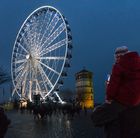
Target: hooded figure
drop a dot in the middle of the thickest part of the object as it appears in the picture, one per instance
(124, 84)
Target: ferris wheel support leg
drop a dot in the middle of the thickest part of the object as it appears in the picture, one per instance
(58, 97)
(30, 86)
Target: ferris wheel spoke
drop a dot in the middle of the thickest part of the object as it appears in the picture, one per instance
(22, 38)
(50, 14)
(17, 77)
(20, 54)
(30, 93)
(39, 88)
(29, 34)
(43, 23)
(46, 28)
(31, 29)
(31, 72)
(52, 58)
(15, 90)
(54, 35)
(25, 36)
(31, 78)
(17, 87)
(21, 67)
(20, 61)
(36, 34)
(30, 38)
(47, 79)
(21, 73)
(53, 23)
(49, 68)
(22, 47)
(24, 83)
(42, 71)
(44, 80)
(18, 80)
(53, 47)
(25, 41)
(36, 81)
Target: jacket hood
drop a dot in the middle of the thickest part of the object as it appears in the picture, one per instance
(130, 61)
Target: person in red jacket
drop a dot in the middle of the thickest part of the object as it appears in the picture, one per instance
(124, 84)
(122, 92)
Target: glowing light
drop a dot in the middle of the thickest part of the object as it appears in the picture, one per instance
(68, 124)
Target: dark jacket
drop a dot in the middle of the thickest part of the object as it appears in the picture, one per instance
(4, 122)
(130, 123)
(124, 85)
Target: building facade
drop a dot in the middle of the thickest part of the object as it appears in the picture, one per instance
(84, 89)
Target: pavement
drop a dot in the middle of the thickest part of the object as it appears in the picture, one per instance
(23, 125)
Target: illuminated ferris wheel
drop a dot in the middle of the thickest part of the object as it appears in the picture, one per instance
(41, 53)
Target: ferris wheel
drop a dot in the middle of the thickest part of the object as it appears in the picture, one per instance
(41, 54)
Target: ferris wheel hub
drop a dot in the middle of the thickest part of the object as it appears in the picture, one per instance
(27, 56)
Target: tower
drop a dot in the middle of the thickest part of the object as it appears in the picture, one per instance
(84, 88)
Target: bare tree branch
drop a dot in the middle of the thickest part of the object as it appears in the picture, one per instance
(4, 76)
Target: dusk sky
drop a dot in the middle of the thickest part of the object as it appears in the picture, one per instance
(98, 27)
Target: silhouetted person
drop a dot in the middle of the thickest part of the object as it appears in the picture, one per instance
(4, 122)
(36, 112)
(85, 110)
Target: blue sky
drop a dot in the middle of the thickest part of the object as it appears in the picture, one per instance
(98, 27)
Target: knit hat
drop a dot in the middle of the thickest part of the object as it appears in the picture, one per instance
(121, 50)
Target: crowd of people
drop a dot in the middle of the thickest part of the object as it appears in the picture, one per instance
(43, 110)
